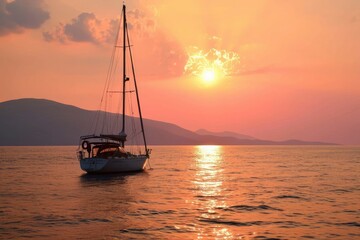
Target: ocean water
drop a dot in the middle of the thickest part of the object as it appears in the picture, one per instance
(191, 192)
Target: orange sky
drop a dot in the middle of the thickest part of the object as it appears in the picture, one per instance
(294, 71)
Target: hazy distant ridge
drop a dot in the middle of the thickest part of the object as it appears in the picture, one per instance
(45, 122)
(224, 134)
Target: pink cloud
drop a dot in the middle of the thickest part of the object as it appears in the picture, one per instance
(160, 55)
(17, 15)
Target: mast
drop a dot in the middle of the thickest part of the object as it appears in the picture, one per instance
(126, 39)
(122, 133)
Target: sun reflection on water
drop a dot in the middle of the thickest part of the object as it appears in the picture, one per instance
(207, 163)
(209, 193)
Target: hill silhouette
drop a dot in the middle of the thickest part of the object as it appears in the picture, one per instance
(31, 122)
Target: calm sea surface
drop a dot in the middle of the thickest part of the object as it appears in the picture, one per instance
(191, 192)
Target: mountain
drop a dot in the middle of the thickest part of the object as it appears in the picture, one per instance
(224, 134)
(44, 122)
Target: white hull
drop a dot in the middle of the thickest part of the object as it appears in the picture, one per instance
(114, 165)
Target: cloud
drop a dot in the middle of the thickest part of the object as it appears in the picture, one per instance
(82, 28)
(17, 15)
(160, 55)
(86, 27)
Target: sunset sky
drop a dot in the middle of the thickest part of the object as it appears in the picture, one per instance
(286, 69)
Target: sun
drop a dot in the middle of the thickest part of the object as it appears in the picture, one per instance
(211, 66)
(208, 75)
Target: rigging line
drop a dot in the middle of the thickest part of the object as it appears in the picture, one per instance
(111, 123)
(137, 93)
(113, 109)
(135, 134)
(135, 139)
(118, 114)
(104, 115)
(118, 107)
(107, 76)
(129, 106)
(133, 120)
(108, 119)
(111, 80)
(131, 113)
(129, 122)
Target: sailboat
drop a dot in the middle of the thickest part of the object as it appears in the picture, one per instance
(106, 152)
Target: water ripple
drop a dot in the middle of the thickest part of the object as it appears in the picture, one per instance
(249, 208)
(289, 197)
(233, 223)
